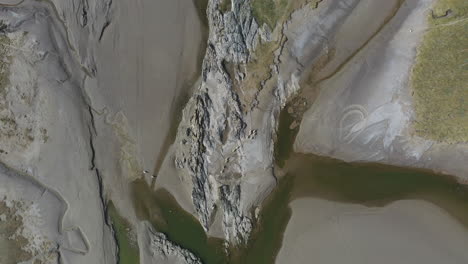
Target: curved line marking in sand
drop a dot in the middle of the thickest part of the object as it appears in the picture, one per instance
(347, 134)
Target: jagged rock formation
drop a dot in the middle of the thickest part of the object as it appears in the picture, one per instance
(213, 124)
(217, 133)
(160, 246)
(62, 103)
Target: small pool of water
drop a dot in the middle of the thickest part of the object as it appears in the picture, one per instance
(162, 210)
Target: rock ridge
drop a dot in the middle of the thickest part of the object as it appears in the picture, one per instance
(217, 133)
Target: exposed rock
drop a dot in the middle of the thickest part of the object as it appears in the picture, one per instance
(216, 147)
(159, 245)
(213, 125)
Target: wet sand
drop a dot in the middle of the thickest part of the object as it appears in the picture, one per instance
(374, 204)
(407, 231)
(147, 62)
(368, 213)
(365, 212)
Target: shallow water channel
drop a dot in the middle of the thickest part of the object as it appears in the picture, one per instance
(372, 185)
(368, 184)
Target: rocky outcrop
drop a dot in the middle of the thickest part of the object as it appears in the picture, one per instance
(160, 246)
(214, 124)
(224, 146)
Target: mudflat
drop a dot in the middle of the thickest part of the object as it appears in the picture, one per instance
(407, 231)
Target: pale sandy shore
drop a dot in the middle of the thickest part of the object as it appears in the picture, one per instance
(372, 114)
(406, 231)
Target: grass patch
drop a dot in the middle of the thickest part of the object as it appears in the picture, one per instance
(258, 69)
(440, 75)
(274, 12)
(5, 61)
(268, 11)
(128, 247)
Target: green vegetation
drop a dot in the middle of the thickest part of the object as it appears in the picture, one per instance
(4, 62)
(274, 12)
(128, 247)
(269, 11)
(440, 75)
(258, 69)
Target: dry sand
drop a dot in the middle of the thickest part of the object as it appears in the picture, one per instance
(407, 231)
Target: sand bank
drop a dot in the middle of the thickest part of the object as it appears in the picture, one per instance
(406, 231)
(372, 115)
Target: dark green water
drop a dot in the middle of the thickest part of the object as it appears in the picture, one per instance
(128, 249)
(372, 185)
(162, 210)
(286, 137)
(201, 6)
